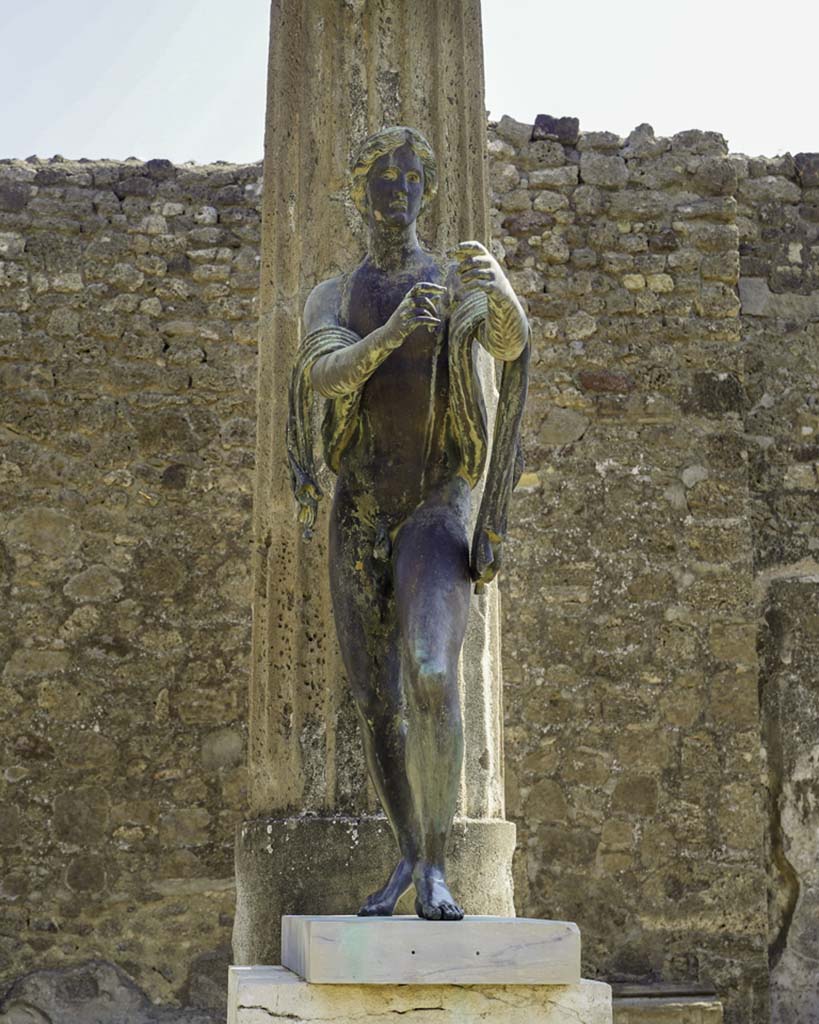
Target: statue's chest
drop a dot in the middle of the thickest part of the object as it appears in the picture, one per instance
(371, 296)
(410, 384)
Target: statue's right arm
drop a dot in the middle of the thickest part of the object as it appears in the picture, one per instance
(345, 370)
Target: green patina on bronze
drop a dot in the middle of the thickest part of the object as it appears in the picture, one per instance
(392, 346)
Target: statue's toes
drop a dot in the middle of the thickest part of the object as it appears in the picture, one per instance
(375, 906)
(428, 911)
(375, 910)
(451, 912)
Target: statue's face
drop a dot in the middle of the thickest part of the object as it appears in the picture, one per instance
(395, 187)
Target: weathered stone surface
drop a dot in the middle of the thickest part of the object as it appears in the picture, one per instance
(770, 189)
(602, 169)
(222, 748)
(81, 815)
(562, 426)
(606, 381)
(790, 656)
(565, 130)
(514, 132)
(758, 300)
(96, 583)
(554, 177)
(807, 169)
(258, 994)
(779, 288)
(667, 1010)
(124, 518)
(94, 992)
(638, 430)
(642, 142)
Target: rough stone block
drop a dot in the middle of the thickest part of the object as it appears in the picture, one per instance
(758, 300)
(670, 1010)
(642, 143)
(554, 177)
(10, 328)
(608, 141)
(94, 991)
(349, 950)
(515, 132)
(258, 995)
(770, 189)
(603, 169)
(561, 129)
(807, 168)
(11, 245)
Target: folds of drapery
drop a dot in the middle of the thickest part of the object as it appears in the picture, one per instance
(467, 415)
(337, 428)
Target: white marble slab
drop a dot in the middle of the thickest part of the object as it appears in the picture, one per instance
(260, 995)
(347, 950)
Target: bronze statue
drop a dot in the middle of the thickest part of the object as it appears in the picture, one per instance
(389, 344)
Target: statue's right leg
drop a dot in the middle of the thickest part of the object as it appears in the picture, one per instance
(367, 629)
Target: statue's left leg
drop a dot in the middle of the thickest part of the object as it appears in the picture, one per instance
(432, 590)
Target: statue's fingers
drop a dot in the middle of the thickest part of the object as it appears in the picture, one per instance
(478, 274)
(426, 305)
(466, 249)
(428, 288)
(483, 259)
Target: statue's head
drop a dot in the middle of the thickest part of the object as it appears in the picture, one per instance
(394, 175)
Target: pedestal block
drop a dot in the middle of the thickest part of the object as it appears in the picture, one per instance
(346, 950)
(259, 995)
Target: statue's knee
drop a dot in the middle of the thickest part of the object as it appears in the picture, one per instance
(429, 687)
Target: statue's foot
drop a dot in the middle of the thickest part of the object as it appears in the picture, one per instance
(382, 903)
(433, 900)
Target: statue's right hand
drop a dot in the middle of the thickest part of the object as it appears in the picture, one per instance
(420, 307)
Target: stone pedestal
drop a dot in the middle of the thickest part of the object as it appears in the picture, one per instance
(337, 72)
(259, 995)
(347, 950)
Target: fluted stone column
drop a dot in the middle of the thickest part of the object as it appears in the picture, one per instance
(315, 842)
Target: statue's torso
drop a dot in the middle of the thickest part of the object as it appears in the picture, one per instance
(402, 450)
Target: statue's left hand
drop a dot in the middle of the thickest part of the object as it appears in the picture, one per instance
(307, 498)
(478, 269)
(486, 557)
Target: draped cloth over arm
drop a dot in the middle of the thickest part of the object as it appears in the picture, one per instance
(337, 428)
(468, 414)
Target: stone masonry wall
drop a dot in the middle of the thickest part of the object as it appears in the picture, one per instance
(779, 244)
(127, 425)
(667, 509)
(632, 739)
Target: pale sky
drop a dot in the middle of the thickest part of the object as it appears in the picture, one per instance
(185, 79)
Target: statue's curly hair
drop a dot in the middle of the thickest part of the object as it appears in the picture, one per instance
(383, 142)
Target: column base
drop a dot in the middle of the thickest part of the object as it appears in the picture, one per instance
(314, 865)
(257, 995)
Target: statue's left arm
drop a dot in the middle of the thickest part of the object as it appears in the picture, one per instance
(505, 335)
(507, 329)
